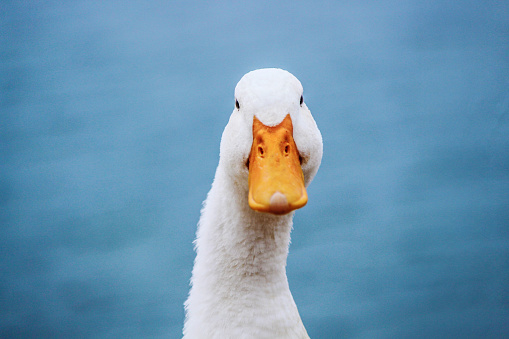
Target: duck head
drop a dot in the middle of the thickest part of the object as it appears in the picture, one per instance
(271, 147)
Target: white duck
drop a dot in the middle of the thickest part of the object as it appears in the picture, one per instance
(270, 151)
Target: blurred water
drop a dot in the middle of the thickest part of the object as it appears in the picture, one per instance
(111, 117)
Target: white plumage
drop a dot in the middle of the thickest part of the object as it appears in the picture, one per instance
(239, 284)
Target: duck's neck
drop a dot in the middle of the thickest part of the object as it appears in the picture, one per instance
(239, 278)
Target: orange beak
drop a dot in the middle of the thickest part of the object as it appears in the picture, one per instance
(276, 181)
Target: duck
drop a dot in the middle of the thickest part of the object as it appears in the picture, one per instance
(270, 150)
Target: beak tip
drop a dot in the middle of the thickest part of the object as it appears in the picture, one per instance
(278, 203)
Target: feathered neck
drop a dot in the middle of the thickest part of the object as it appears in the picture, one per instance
(239, 284)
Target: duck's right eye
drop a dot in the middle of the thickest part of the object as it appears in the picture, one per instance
(237, 104)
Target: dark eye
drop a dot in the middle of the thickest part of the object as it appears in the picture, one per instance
(301, 100)
(237, 104)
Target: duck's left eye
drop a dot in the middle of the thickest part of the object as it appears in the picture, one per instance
(301, 100)
(237, 104)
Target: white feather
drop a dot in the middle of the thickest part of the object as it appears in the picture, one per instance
(239, 284)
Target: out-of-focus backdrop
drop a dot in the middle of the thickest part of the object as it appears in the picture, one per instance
(111, 114)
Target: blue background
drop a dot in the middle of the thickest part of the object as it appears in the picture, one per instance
(111, 118)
